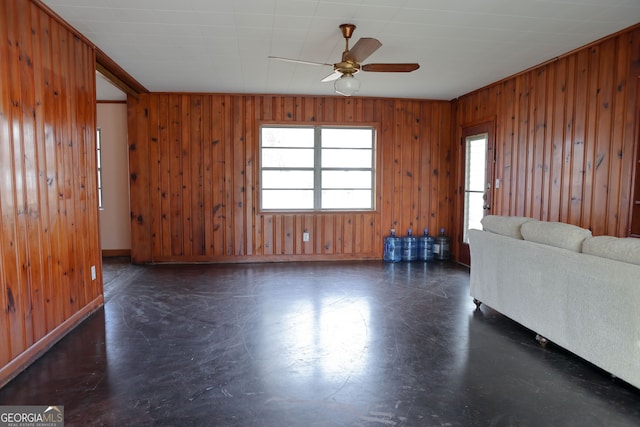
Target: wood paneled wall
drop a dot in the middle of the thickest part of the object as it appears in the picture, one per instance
(566, 134)
(194, 177)
(48, 203)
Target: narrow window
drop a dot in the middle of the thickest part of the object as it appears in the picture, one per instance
(99, 162)
(475, 187)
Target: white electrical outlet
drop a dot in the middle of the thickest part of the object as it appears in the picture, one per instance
(93, 272)
(305, 237)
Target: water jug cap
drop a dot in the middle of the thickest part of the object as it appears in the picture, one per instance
(442, 231)
(409, 231)
(426, 231)
(393, 231)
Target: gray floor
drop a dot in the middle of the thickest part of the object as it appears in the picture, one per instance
(312, 344)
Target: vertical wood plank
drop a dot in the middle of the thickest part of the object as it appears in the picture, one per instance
(267, 231)
(164, 176)
(578, 170)
(137, 122)
(155, 178)
(183, 182)
(616, 152)
(15, 327)
(630, 137)
(424, 129)
(435, 146)
(239, 182)
(207, 176)
(176, 213)
(34, 310)
(509, 181)
(590, 136)
(567, 152)
(556, 117)
(61, 190)
(49, 196)
(288, 230)
(197, 176)
(251, 139)
(219, 165)
(66, 163)
(538, 130)
(228, 176)
(603, 144)
(386, 174)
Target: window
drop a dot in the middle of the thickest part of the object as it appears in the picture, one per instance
(99, 163)
(317, 168)
(475, 187)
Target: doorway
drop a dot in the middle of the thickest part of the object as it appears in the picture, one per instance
(479, 160)
(113, 169)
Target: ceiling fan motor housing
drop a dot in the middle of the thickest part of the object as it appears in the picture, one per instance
(347, 67)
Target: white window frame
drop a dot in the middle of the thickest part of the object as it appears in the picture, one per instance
(318, 169)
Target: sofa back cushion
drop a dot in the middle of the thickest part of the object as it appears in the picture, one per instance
(557, 234)
(616, 248)
(505, 225)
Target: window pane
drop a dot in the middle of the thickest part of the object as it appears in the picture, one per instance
(287, 179)
(287, 199)
(347, 138)
(99, 165)
(287, 158)
(476, 162)
(346, 199)
(350, 159)
(346, 179)
(473, 212)
(287, 137)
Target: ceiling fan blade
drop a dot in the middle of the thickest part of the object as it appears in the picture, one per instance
(390, 68)
(363, 49)
(331, 77)
(298, 61)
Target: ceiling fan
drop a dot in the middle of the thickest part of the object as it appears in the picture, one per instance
(343, 71)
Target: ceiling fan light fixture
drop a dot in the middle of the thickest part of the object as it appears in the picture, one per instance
(347, 85)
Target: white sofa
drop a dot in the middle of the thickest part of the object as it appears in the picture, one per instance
(578, 291)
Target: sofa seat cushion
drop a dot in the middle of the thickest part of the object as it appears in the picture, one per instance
(616, 248)
(505, 225)
(556, 234)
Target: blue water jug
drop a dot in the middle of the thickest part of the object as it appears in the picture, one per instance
(441, 247)
(392, 248)
(409, 247)
(425, 246)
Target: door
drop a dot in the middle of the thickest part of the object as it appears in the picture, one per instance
(479, 159)
(634, 229)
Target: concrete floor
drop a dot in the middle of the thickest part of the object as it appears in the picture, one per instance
(312, 344)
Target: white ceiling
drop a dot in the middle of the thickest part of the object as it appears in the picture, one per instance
(223, 45)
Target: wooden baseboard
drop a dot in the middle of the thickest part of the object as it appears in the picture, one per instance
(264, 258)
(30, 355)
(111, 253)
